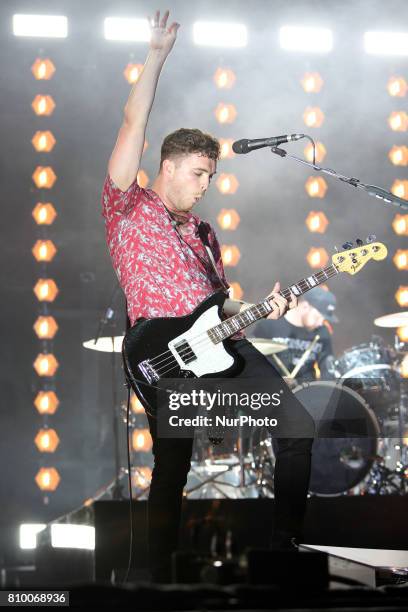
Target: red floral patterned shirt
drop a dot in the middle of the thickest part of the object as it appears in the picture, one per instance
(162, 273)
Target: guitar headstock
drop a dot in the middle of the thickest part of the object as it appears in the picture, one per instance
(354, 258)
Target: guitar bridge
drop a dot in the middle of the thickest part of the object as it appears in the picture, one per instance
(148, 371)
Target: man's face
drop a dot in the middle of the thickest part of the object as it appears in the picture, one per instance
(187, 179)
(312, 318)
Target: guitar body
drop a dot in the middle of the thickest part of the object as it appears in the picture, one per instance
(177, 347)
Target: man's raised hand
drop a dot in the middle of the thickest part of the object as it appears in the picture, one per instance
(162, 37)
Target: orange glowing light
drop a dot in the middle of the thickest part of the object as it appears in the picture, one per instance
(132, 72)
(404, 367)
(45, 327)
(401, 296)
(313, 116)
(399, 155)
(43, 105)
(230, 254)
(44, 177)
(142, 477)
(226, 148)
(236, 292)
(225, 113)
(400, 225)
(400, 189)
(46, 402)
(46, 290)
(136, 405)
(317, 257)
(43, 69)
(227, 184)
(312, 82)
(400, 259)
(224, 78)
(317, 222)
(44, 250)
(142, 440)
(228, 219)
(44, 213)
(142, 179)
(316, 187)
(398, 121)
(47, 479)
(402, 333)
(320, 152)
(397, 86)
(43, 141)
(47, 440)
(45, 364)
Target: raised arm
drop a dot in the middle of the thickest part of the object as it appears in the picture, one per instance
(125, 159)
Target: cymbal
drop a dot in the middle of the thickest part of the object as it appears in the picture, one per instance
(104, 344)
(266, 346)
(397, 319)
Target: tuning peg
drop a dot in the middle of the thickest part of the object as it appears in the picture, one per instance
(347, 245)
(371, 238)
(359, 242)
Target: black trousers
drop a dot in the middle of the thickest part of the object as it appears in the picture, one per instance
(172, 463)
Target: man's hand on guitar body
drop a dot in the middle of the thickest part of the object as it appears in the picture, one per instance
(279, 304)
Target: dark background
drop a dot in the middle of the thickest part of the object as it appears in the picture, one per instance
(90, 91)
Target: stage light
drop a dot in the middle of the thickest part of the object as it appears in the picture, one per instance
(66, 535)
(46, 26)
(47, 440)
(46, 290)
(402, 333)
(44, 213)
(226, 148)
(317, 222)
(316, 187)
(313, 40)
(224, 78)
(44, 177)
(398, 121)
(399, 155)
(400, 189)
(44, 250)
(43, 105)
(236, 292)
(317, 258)
(230, 255)
(227, 184)
(43, 69)
(320, 152)
(142, 179)
(125, 28)
(386, 43)
(312, 82)
(228, 219)
(214, 34)
(404, 367)
(401, 296)
(225, 113)
(142, 476)
(397, 86)
(45, 327)
(132, 72)
(313, 116)
(136, 405)
(400, 259)
(47, 479)
(142, 440)
(43, 141)
(28, 535)
(400, 225)
(45, 364)
(46, 402)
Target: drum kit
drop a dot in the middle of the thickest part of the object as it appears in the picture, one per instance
(368, 455)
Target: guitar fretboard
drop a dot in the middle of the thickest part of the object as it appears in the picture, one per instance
(240, 321)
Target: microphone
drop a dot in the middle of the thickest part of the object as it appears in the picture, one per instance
(246, 146)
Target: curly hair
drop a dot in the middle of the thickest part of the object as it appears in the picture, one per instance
(186, 141)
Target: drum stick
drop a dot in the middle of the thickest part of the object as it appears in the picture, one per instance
(304, 356)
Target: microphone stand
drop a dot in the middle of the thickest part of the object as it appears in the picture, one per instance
(372, 190)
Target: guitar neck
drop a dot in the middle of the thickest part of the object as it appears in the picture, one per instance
(236, 323)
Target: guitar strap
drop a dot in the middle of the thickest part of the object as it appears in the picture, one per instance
(203, 232)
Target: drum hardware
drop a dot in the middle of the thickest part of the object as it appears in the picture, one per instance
(267, 346)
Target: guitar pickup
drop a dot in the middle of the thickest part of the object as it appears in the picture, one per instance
(185, 352)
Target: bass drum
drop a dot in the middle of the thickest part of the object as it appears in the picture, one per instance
(346, 436)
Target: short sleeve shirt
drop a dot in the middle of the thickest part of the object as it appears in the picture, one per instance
(162, 273)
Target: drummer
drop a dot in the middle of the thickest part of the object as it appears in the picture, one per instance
(309, 326)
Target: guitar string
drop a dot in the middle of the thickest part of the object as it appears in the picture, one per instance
(203, 338)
